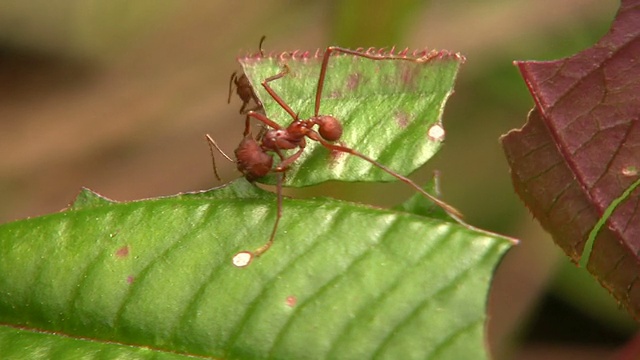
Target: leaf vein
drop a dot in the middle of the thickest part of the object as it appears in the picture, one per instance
(452, 285)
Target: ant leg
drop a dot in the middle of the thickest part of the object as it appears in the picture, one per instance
(264, 119)
(275, 96)
(263, 130)
(286, 162)
(212, 143)
(258, 106)
(257, 101)
(260, 45)
(325, 61)
(244, 258)
(448, 208)
(234, 78)
(247, 125)
(262, 249)
(244, 105)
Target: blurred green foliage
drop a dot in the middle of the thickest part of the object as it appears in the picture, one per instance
(362, 23)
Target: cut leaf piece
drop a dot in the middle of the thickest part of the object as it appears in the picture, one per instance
(342, 279)
(580, 151)
(390, 109)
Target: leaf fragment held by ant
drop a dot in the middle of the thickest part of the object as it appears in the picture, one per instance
(386, 106)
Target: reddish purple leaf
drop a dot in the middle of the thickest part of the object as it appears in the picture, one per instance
(579, 153)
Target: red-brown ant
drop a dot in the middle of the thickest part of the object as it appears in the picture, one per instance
(244, 91)
(254, 161)
(244, 88)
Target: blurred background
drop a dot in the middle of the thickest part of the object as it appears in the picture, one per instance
(117, 95)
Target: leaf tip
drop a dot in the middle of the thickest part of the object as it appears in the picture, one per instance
(87, 198)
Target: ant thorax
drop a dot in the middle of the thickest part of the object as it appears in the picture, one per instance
(284, 139)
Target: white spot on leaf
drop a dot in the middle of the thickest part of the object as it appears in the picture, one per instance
(436, 132)
(242, 259)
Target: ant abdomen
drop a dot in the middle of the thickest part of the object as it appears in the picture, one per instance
(253, 162)
(329, 127)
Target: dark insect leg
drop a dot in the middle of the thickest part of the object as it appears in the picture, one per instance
(262, 249)
(260, 45)
(286, 162)
(275, 96)
(213, 143)
(448, 208)
(325, 61)
(264, 119)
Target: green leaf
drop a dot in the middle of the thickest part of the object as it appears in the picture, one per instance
(390, 109)
(88, 199)
(419, 205)
(20, 344)
(154, 279)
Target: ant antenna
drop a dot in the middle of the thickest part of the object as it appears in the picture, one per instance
(260, 45)
(234, 78)
(213, 143)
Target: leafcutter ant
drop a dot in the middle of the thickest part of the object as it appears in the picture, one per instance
(247, 94)
(255, 161)
(244, 88)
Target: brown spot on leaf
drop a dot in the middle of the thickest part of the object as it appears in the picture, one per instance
(335, 156)
(402, 119)
(335, 95)
(123, 252)
(408, 75)
(130, 279)
(353, 81)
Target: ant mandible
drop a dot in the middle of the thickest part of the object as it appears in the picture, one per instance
(254, 161)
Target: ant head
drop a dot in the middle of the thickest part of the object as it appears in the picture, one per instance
(329, 127)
